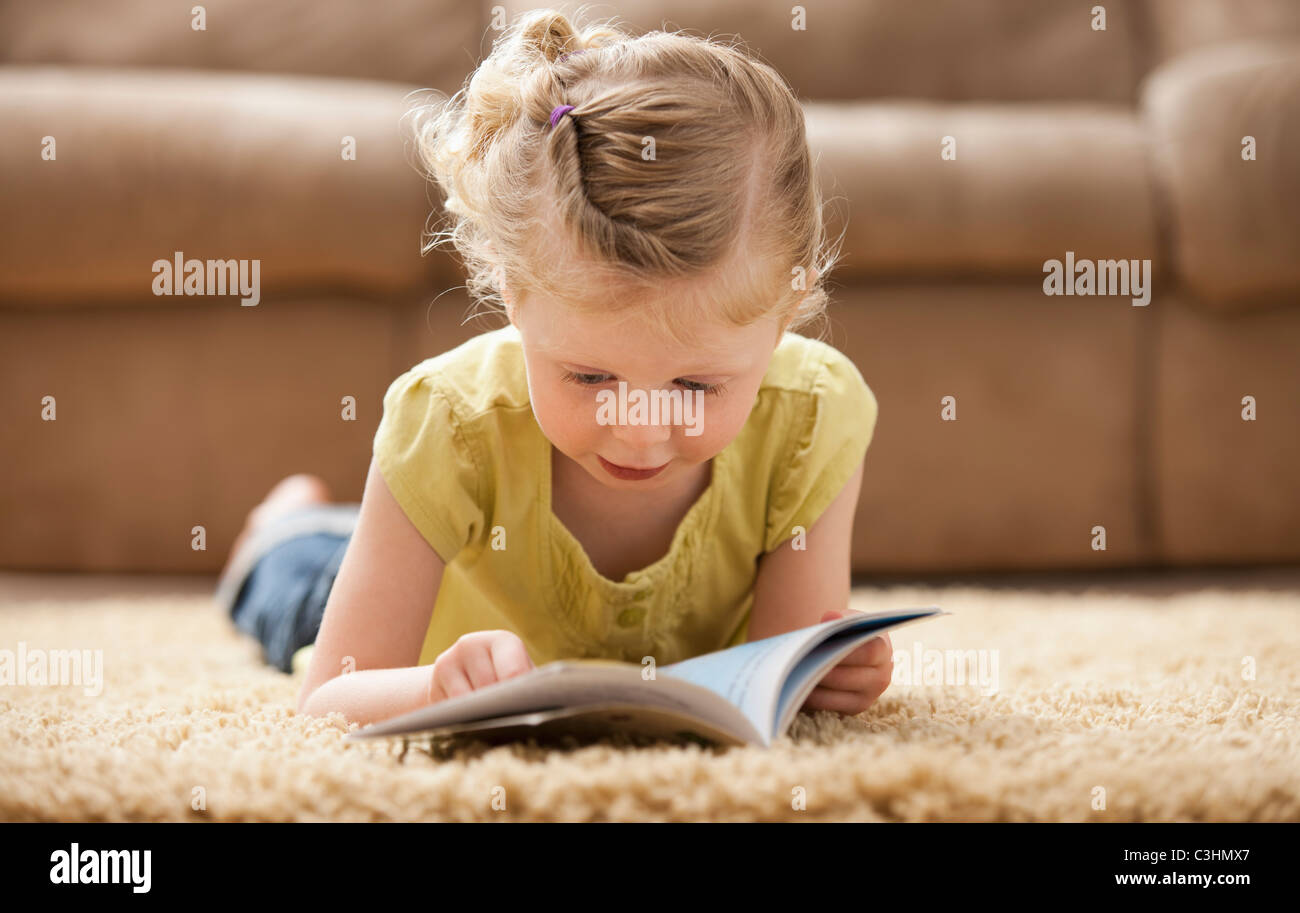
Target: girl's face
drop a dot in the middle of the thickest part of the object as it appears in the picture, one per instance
(587, 373)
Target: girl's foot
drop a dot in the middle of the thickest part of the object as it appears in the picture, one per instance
(289, 494)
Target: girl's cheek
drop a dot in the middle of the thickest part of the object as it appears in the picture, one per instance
(718, 424)
(565, 418)
(581, 413)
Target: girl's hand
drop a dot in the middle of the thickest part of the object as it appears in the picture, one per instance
(858, 679)
(476, 660)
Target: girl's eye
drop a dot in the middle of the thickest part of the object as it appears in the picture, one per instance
(585, 380)
(592, 380)
(706, 389)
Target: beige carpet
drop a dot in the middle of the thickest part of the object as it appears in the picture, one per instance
(1123, 703)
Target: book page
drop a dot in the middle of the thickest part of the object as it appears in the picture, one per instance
(746, 690)
(568, 684)
(754, 676)
(748, 675)
(554, 685)
(810, 670)
(591, 721)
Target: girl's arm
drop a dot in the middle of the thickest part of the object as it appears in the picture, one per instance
(376, 618)
(795, 587)
(800, 588)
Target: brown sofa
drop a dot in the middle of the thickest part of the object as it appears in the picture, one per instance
(175, 413)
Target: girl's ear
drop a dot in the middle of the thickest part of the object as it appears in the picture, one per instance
(510, 304)
(506, 295)
(789, 318)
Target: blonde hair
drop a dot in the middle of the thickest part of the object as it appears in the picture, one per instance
(726, 194)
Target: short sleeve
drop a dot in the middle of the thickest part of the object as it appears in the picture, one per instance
(423, 454)
(827, 442)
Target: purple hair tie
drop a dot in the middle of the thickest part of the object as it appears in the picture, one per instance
(560, 111)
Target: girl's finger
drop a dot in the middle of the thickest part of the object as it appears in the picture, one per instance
(510, 657)
(857, 678)
(876, 652)
(849, 702)
(476, 663)
(449, 677)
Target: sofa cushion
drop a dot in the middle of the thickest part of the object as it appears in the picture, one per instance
(216, 166)
(1029, 182)
(1180, 26)
(1234, 231)
(167, 420)
(428, 43)
(950, 50)
(1043, 441)
(1223, 468)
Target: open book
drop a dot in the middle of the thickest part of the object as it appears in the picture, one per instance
(748, 694)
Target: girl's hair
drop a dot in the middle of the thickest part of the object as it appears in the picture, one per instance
(683, 159)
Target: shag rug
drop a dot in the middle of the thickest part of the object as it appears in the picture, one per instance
(1125, 698)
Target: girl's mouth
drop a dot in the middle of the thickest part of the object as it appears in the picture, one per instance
(627, 473)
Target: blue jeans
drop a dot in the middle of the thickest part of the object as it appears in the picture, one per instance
(282, 599)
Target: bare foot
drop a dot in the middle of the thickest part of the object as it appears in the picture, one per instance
(289, 494)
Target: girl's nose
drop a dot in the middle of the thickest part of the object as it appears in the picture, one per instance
(642, 435)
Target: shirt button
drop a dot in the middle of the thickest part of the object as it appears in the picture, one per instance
(628, 617)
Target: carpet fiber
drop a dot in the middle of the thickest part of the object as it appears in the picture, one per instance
(1150, 699)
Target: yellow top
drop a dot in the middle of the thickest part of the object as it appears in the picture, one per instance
(463, 455)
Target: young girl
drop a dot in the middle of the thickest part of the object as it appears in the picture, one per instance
(645, 210)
